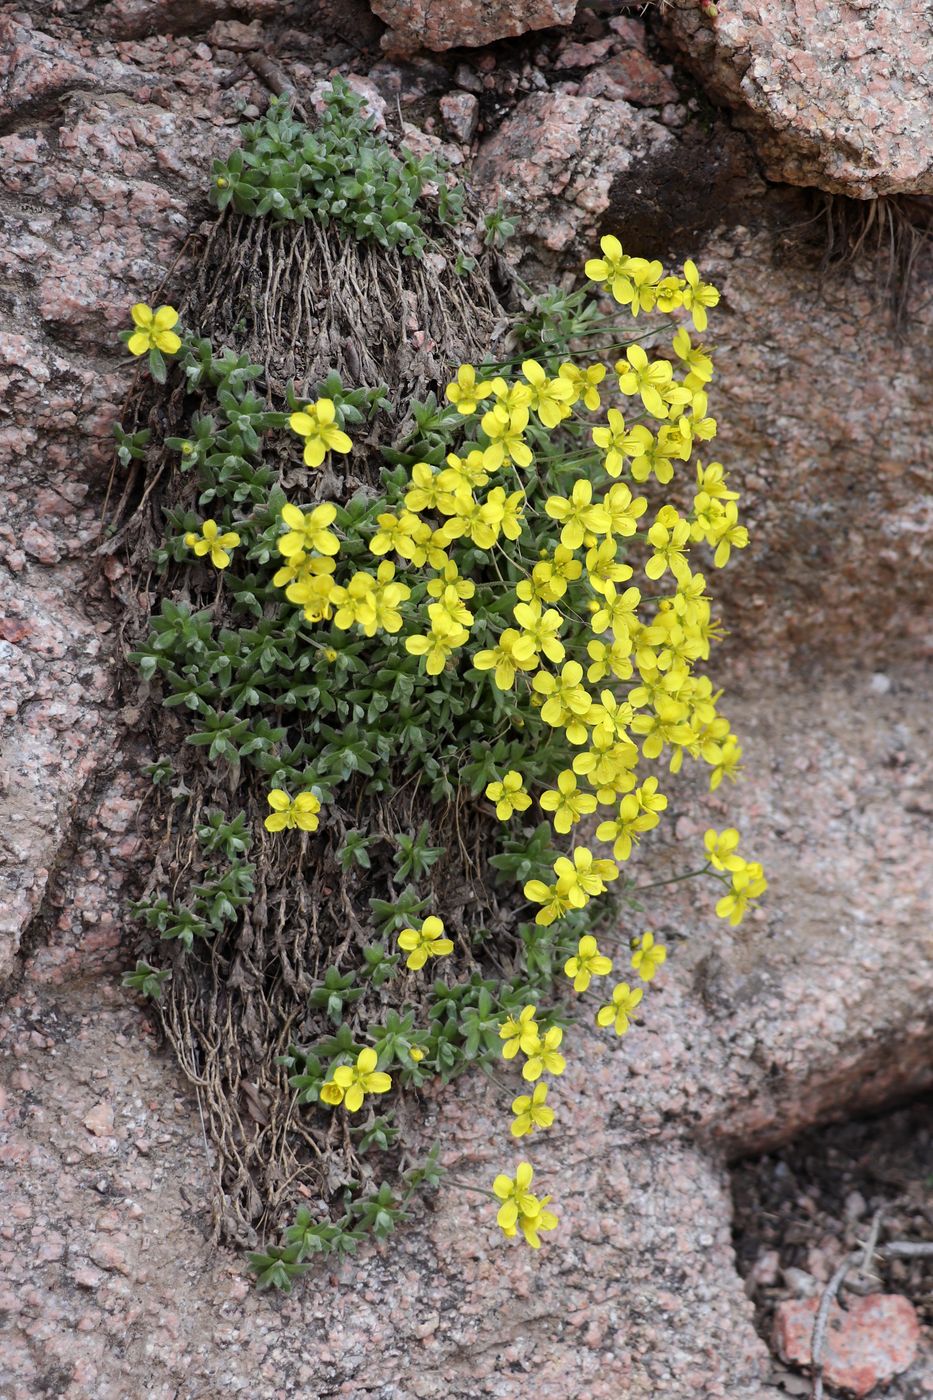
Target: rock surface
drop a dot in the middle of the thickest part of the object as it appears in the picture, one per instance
(817, 1007)
(835, 93)
(867, 1344)
(777, 1023)
(449, 24)
(556, 158)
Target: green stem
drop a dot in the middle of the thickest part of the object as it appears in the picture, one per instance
(688, 875)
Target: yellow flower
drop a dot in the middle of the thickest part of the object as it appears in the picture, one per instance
(416, 1054)
(698, 295)
(314, 593)
(619, 1010)
(425, 488)
(531, 1111)
(725, 762)
(436, 647)
(583, 382)
(449, 577)
(331, 1092)
(512, 652)
(589, 962)
(554, 899)
(584, 877)
(317, 426)
(603, 568)
(509, 397)
(746, 885)
(567, 802)
(211, 542)
(515, 1197)
(428, 941)
(566, 701)
(617, 441)
(638, 375)
(611, 268)
(670, 544)
(543, 1056)
(699, 364)
(641, 292)
(532, 1225)
(394, 533)
(721, 849)
(506, 443)
(623, 510)
(288, 813)
(360, 1079)
(618, 612)
(519, 1033)
(466, 392)
(153, 330)
(612, 659)
(648, 957)
(579, 514)
(307, 532)
(540, 627)
(728, 534)
(550, 398)
(509, 795)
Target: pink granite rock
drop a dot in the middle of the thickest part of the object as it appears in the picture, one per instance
(108, 1274)
(867, 1344)
(556, 157)
(460, 112)
(834, 94)
(448, 24)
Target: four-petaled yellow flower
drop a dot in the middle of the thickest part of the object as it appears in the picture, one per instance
(589, 962)
(519, 1033)
(425, 942)
(612, 268)
(619, 1010)
(583, 383)
(211, 541)
(288, 813)
(531, 1111)
(308, 531)
(579, 514)
(515, 1196)
(698, 295)
(509, 795)
(466, 392)
(648, 957)
(361, 1079)
(316, 424)
(721, 849)
(747, 884)
(544, 1056)
(567, 802)
(153, 330)
(532, 1225)
(638, 375)
(584, 876)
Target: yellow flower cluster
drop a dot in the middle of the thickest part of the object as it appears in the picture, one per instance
(603, 633)
(351, 1083)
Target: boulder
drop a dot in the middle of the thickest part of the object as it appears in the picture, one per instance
(454, 24)
(868, 1342)
(834, 94)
